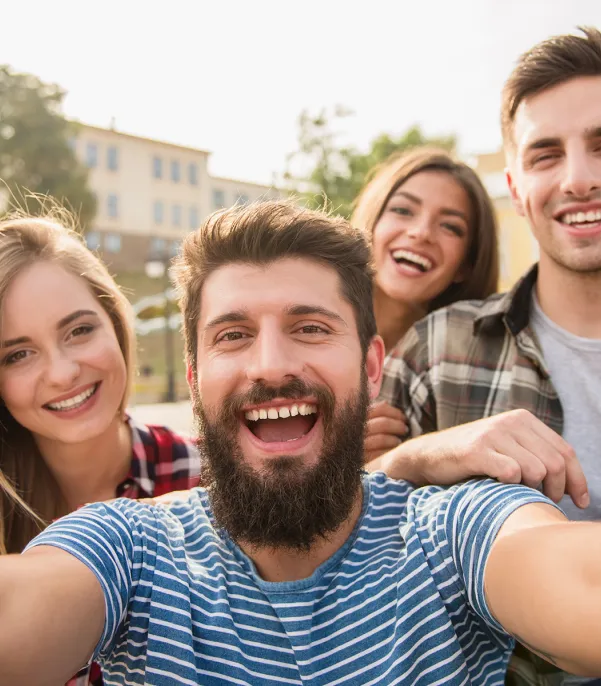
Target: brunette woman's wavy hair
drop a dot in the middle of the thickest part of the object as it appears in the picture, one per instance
(29, 495)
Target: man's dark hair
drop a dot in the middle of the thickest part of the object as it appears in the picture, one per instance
(264, 232)
(549, 63)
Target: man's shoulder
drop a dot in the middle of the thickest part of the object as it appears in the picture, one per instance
(465, 313)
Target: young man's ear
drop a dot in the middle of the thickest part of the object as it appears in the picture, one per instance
(374, 363)
(515, 198)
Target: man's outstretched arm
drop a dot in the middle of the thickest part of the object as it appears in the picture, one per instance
(543, 585)
(51, 616)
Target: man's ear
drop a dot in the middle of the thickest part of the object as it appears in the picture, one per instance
(515, 198)
(191, 379)
(374, 363)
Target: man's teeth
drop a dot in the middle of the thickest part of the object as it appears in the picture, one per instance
(412, 257)
(73, 402)
(581, 217)
(283, 412)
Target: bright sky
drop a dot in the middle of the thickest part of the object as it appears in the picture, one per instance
(232, 76)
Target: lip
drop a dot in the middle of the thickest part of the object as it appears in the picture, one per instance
(279, 402)
(71, 394)
(283, 447)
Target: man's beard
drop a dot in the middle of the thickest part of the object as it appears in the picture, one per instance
(286, 505)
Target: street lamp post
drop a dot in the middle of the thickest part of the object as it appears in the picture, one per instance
(156, 268)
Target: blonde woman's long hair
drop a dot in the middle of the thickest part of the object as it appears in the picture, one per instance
(482, 259)
(29, 495)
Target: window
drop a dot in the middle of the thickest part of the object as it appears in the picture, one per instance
(158, 212)
(112, 242)
(91, 155)
(242, 199)
(218, 199)
(93, 240)
(157, 167)
(112, 206)
(176, 215)
(157, 247)
(111, 158)
(193, 174)
(174, 248)
(194, 217)
(175, 172)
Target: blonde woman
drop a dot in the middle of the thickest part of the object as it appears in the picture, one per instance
(433, 232)
(66, 366)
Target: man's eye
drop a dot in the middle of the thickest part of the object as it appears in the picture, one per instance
(312, 329)
(230, 336)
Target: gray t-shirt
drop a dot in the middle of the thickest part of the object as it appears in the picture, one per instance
(575, 367)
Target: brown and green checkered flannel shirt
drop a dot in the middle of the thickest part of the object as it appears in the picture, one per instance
(472, 360)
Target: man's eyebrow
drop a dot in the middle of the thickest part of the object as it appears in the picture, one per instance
(302, 310)
(227, 318)
(62, 323)
(543, 143)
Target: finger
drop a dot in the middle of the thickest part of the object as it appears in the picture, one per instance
(542, 456)
(500, 467)
(576, 485)
(385, 425)
(381, 442)
(383, 409)
(533, 469)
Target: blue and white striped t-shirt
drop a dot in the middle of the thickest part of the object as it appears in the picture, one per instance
(402, 602)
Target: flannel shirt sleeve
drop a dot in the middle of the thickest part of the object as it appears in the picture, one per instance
(406, 381)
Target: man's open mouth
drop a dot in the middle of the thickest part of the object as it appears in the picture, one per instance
(281, 423)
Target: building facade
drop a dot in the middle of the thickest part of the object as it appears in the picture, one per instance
(150, 194)
(517, 247)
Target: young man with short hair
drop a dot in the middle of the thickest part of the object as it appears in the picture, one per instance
(494, 384)
(293, 566)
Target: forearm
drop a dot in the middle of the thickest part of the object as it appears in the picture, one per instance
(543, 585)
(51, 617)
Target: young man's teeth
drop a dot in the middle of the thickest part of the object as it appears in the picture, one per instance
(412, 257)
(283, 412)
(75, 401)
(581, 217)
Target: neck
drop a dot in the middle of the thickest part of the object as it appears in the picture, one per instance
(570, 299)
(90, 471)
(285, 564)
(394, 318)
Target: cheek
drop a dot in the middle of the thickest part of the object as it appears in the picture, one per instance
(18, 394)
(384, 232)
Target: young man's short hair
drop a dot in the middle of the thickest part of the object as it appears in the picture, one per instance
(548, 64)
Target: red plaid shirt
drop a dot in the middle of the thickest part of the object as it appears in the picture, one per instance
(161, 462)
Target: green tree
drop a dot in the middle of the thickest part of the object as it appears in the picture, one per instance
(329, 175)
(36, 159)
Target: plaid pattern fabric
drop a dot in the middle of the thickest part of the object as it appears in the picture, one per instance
(162, 462)
(472, 360)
